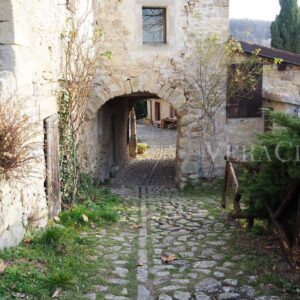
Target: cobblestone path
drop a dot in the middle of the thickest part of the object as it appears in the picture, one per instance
(159, 221)
(156, 168)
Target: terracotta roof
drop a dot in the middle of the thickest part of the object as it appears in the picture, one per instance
(288, 57)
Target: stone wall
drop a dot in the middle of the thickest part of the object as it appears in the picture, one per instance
(30, 67)
(137, 68)
(281, 89)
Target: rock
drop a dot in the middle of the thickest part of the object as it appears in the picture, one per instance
(171, 288)
(187, 254)
(248, 291)
(181, 281)
(122, 272)
(232, 282)
(164, 297)
(219, 274)
(118, 281)
(229, 289)
(112, 256)
(114, 248)
(267, 298)
(209, 285)
(113, 297)
(238, 257)
(205, 264)
(182, 295)
(217, 243)
(120, 262)
(192, 275)
(143, 293)
(124, 292)
(203, 271)
(101, 288)
(228, 264)
(229, 296)
(218, 256)
(91, 296)
(202, 296)
(162, 274)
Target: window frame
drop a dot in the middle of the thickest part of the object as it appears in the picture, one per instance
(165, 40)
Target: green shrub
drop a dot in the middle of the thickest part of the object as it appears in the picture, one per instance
(276, 154)
(58, 238)
(62, 278)
(141, 148)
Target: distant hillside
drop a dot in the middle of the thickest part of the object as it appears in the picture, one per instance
(253, 31)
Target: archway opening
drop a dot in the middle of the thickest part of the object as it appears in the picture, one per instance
(137, 141)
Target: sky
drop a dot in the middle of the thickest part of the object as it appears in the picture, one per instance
(254, 9)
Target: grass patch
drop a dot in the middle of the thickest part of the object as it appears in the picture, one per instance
(57, 258)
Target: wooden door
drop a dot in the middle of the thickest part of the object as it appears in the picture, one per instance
(157, 111)
(51, 149)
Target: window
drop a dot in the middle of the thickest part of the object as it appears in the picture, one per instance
(154, 25)
(247, 104)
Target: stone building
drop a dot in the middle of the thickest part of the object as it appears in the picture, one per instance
(280, 91)
(148, 50)
(159, 110)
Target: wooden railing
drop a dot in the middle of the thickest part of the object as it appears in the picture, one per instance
(290, 243)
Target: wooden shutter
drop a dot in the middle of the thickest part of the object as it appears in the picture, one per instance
(52, 183)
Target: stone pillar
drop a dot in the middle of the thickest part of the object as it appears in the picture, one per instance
(133, 136)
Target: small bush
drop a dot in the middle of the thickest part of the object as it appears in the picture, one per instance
(17, 141)
(58, 238)
(276, 156)
(141, 148)
(62, 278)
(96, 205)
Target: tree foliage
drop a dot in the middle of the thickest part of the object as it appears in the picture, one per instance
(285, 29)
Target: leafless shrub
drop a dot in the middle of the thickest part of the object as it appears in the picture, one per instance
(17, 141)
(83, 56)
(210, 78)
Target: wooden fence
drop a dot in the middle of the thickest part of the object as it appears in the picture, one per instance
(290, 242)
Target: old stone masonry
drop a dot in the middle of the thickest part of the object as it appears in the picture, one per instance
(163, 223)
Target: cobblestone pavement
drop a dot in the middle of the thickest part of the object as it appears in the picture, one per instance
(157, 167)
(161, 222)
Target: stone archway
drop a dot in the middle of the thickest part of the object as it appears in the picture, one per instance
(112, 88)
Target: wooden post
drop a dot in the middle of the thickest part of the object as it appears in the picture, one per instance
(133, 136)
(51, 150)
(280, 231)
(224, 195)
(296, 240)
(286, 201)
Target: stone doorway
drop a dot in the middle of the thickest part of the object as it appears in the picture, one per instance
(157, 166)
